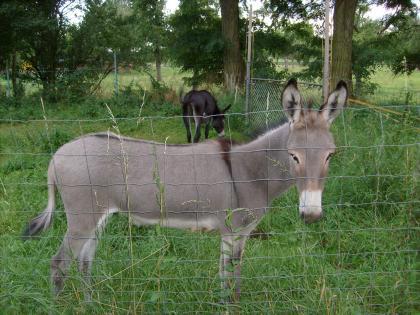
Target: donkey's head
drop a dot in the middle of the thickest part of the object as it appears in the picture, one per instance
(219, 121)
(311, 145)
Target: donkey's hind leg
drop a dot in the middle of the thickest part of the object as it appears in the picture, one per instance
(60, 263)
(186, 113)
(85, 260)
(197, 119)
(207, 129)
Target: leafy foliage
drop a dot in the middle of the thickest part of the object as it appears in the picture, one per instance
(195, 41)
(150, 30)
(70, 60)
(406, 57)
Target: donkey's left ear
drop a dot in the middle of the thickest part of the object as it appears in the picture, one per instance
(335, 103)
(226, 109)
(291, 101)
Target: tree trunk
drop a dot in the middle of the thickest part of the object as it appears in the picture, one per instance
(344, 12)
(233, 62)
(158, 59)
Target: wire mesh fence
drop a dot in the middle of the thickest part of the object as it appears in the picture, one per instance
(362, 258)
(265, 109)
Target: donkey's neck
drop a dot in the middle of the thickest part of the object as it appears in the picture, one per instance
(263, 166)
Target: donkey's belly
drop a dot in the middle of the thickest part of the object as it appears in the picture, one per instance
(207, 223)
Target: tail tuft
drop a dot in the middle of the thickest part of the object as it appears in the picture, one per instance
(37, 225)
(43, 221)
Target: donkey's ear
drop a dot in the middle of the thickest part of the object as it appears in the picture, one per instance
(291, 101)
(226, 109)
(335, 103)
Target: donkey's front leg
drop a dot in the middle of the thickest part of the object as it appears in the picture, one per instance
(232, 247)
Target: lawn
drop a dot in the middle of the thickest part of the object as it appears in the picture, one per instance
(361, 259)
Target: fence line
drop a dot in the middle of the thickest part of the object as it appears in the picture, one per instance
(157, 117)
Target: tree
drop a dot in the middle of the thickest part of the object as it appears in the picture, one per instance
(284, 11)
(87, 52)
(369, 52)
(12, 26)
(151, 29)
(269, 45)
(344, 18)
(407, 53)
(341, 62)
(402, 28)
(345, 62)
(233, 63)
(385, 42)
(195, 41)
(46, 23)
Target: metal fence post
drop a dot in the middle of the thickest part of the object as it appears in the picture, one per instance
(248, 64)
(115, 74)
(407, 93)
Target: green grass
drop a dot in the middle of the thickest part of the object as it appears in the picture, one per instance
(387, 80)
(361, 259)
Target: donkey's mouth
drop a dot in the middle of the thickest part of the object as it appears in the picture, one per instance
(311, 217)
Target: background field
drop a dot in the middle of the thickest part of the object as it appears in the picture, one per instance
(388, 84)
(361, 259)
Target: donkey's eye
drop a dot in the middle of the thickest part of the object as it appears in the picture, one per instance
(294, 157)
(329, 156)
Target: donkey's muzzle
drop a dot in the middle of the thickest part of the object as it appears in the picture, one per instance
(310, 207)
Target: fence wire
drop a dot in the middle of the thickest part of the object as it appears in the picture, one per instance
(265, 101)
(361, 259)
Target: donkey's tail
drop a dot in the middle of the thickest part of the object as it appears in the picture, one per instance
(43, 220)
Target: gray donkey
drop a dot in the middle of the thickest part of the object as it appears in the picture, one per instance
(207, 186)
